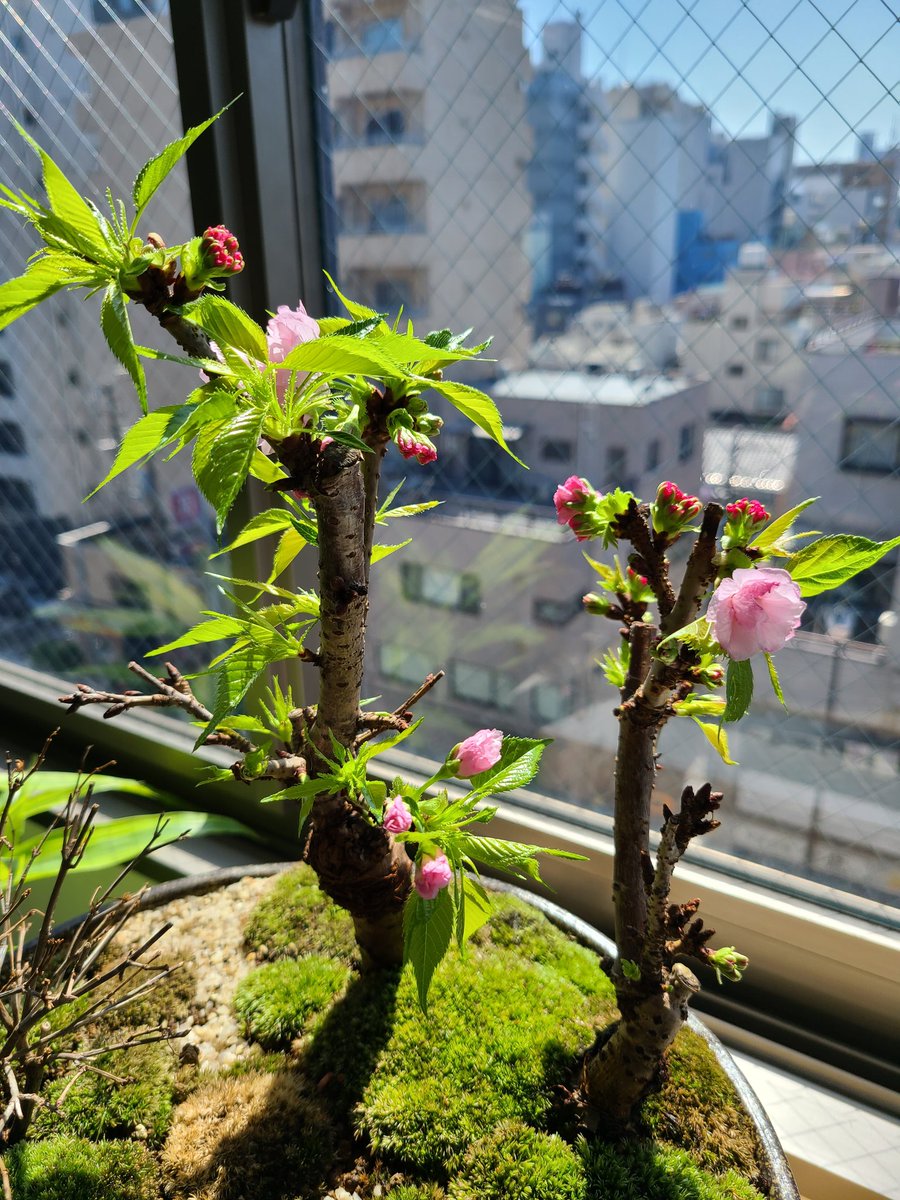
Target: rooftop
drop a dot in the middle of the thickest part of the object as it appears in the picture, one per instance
(579, 387)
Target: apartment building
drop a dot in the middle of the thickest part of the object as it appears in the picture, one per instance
(428, 175)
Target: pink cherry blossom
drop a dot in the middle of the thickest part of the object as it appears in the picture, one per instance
(758, 609)
(479, 752)
(287, 329)
(432, 876)
(570, 495)
(397, 817)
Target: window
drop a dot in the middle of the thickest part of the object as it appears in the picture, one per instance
(766, 349)
(386, 127)
(734, 369)
(556, 612)
(550, 702)
(686, 439)
(17, 495)
(739, 322)
(12, 439)
(481, 685)
(556, 450)
(769, 399)
(106, 11)
(423, 584)
(616, 463)
(6, 379)
(654, 454)
(380, 37)
(871, 444)
(404, 663)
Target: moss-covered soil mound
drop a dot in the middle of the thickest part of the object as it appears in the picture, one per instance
(351, 1086)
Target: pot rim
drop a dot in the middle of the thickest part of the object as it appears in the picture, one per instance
(783, 1185)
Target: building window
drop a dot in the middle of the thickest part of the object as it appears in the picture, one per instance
(769, 399)
(6, 379)
(654, 454)
(386, 127)
(739, 322)
(481, 685)
(423, 584)
(17, 495)
(871, 444)
(686, 438)
(106, 11)
(766, 349)
(616, 463)
(734, 369)
(556, 450)
(550, 702)
(12, 439)
(404, 663)
(380, 37)
(391, 295)
(556, 612)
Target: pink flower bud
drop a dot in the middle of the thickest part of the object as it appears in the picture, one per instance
(412, 444)
(397, 817)
(220, 251)
(596, 605)
(432, 876)
(478, 753)
(758, 609)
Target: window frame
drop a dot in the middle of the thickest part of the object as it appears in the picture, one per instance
(888, 424)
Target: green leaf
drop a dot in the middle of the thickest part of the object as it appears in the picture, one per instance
(117, 842)
(289, 546)
(265, 469)
(630, 969)
(359, 311)
(213, 630)
(832, 560)
(152, 173)
(406, 510)
(518, 764)
(341, 355)
(18, 296)
(117, 331)
(776, 682)
(370, 749)
(260, 526)
(427, 931)
(46, 790)
(698, 634)
(773, 531)
(477, 406)
(738, 689)
(516, 858)
(67, 203)
(718, 739)
(229, 325)
(238, 673)
(473, 909)
(144, 438)
(226, 465)
(380, 552)
(406, 349)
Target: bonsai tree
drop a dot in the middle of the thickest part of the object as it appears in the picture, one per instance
(310, 408)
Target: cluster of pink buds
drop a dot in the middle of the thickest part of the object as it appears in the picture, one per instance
(744, 519)
(673, 509)
(575, 502)
(221, 252)
(410, 434)
(636, 580)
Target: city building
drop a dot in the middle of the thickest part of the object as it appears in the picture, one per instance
(748, 181)
(428, 177)
(845, 202)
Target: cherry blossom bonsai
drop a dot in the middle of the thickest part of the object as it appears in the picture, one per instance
(309, 408)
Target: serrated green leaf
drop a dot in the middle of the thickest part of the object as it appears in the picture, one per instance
(213, 630)
(776, 682)
(406, 510)
(67, 203)
(116, 842)
(341, 355)
(832, 560)
(289, 546)
(265, 469)
(229, 326)
(117, 330)
(427, 932)
(516, 858)
(226, 462)
(473, 909)
(773, 531)
(262, 525)
(18, 296)
(477, 406)
(144, 438)
(238, 673)
(370, 749)
(518, 764)
(630, 969)
(698, 634)
(153, 172)
(738, 689)
(380, 552)
(358, 311)
(407, 350)
(718, 739)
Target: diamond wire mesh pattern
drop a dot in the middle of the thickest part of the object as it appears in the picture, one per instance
(690, 272)
(584, 187)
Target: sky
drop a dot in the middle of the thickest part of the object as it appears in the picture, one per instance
(834, 64)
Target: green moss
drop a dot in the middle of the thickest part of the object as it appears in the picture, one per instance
(275, 1003)
(516, 1160)
(417, 1191)
(99, 1107)
(69, 1168)
(643, 1171)
(499, 1036)
(697, 1108)
(296, 918)
(167, 1003)
(516, 925)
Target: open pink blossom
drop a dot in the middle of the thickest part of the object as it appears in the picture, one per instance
(758, 609)
(290, 327)
(479, 752)
(432, 876)
(570, 496)
(397, 817)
